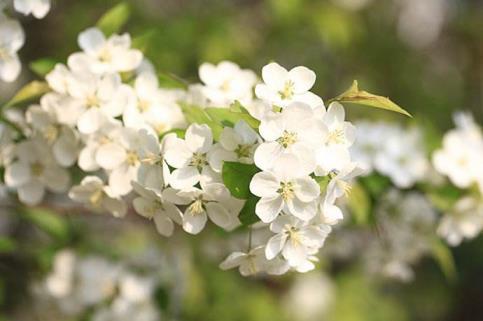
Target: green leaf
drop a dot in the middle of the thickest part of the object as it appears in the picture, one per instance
(354, 95)
(42, 67)
(113, 20)
(443, 256)
(171, 81)
(247, 214)
(445, 197)
(359, 204)
(195, 114)
(237, 177)
(28, 93)
(179, 132)
(143, 41)
(375, 184)
(48, 221)
(323, 181)
(229, 117)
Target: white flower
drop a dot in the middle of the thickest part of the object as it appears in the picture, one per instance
(282, 87)
(103, 55)
(212, 201)
(97, 98)
(34, 170)
(63, 140)
(97, 196)
(293, 131)
(237, 144)
(151, 108)
(38, 8)
(108, 133)
(296, 240)
(123, 157)
(287, 188)
(465, 221)
(189, 157)
(60, 282)
(340, 132)
(12, 39)
(461, 155)
(226, 82)
(254, 262)
(152, 205)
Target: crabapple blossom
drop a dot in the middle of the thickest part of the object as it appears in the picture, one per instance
(97, 196)
(226, 82)
(189, 157)
(339, 131)
(38, 8)
(151, 204)
(296, 240)
(294, 131)
(236, 144)
(101, 55)
(287, 188)
(254, 262)
(12, 39)
(34, 170)
(281, 87)
(212, 201)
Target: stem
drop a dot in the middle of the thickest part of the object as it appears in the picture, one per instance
(249, 238)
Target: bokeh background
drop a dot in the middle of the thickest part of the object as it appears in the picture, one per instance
(427, 55)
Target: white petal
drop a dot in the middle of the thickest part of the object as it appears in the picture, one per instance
(164, 225)
(267, 209)
(177, 153)
(335, 113)
(303, 79)
(199, 138)
(185, 177)
(116, 207)
(266, 154)
(302, 210)
(90, 121)
(91, 40)
(218, 214)
(31, 193)
(10, 68)
(87, 159)
(56, 179)
(17, 174)
(194, 223)
(274, 75)
(233, 260)
(65, 151)
(110, 156)
(306, 189)
(275, 245)
(294, 252)
(264, 184)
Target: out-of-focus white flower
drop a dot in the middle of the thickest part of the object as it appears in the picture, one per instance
(97, 98)
(12, 39)
(461, 156)
(153, 205)
(60, 282)
(189, 157)
(212, 201)
(151, 108)
(237, 144)
(296, 240)
(464, 221)
(227, 82)
(286, 188)
(254, 262)
(38, 8)
(94, 194)
(294, 131)
(282, 87)
(34, 170)
(101, 55)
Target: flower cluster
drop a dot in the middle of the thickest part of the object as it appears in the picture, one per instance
(12, 36)
(392, 151)
(137, 143)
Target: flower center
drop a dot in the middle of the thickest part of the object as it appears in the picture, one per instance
(4, 55)
(288, 90)
(37, 169)
(287, 139)
(160, 128)
(92, 101)
(225, 86)
(105, 55)
(51, 133)
(243, 151)
(336, 136)
(143, 105)
(198, 160)
(196, 207)
(286, 190)
(132, 158)
(293, 234)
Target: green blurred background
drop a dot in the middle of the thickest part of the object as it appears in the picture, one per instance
(427, 55)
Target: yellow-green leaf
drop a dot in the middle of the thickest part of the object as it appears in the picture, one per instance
(113, 20)
(48, 221)
(43, 66)
(354, 95)
(443, 256)
(28, 93)
(359, 204)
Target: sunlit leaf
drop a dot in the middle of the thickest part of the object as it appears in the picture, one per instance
(237, 177)
(359, 204)
(143, 41)
(168, 80)
(247, 215)
(43, 66)
(229, 117)
(195, 114)
(28, 93)
(179, 132)
(48, 221)
(354, 95)
(113, 20)
(323, 181)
